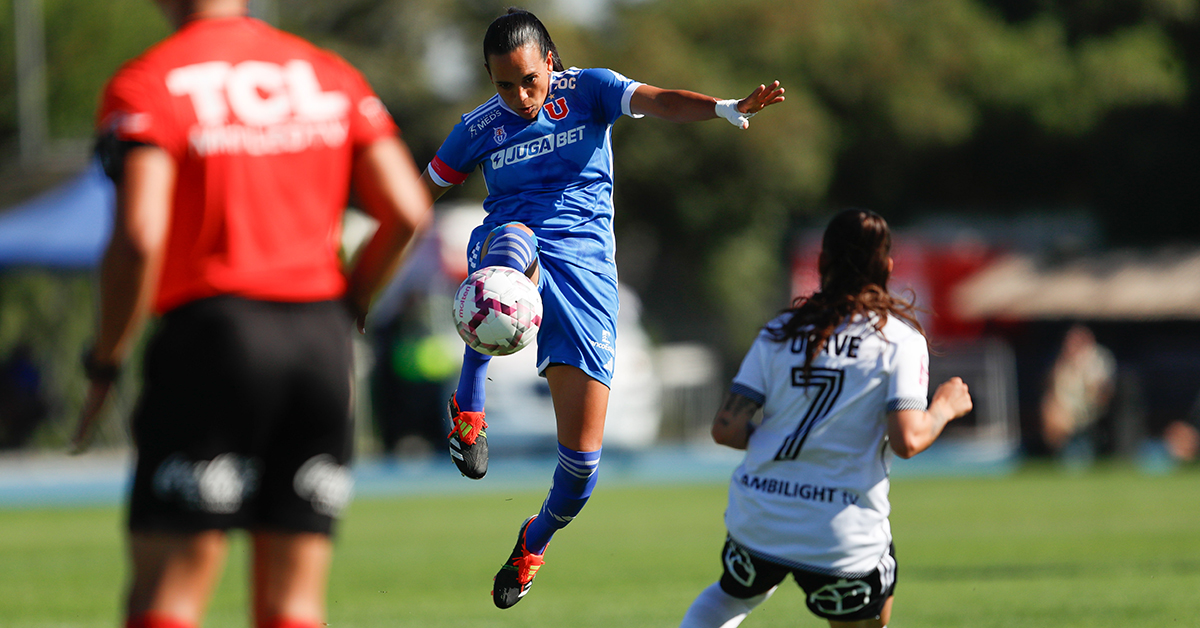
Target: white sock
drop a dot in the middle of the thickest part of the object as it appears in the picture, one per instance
(714, 608)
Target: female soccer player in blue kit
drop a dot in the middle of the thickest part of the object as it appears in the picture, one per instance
(544, 145)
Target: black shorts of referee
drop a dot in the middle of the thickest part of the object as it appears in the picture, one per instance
(245, 418)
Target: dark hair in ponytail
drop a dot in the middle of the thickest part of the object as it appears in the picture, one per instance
(516, 29)
(854, 275)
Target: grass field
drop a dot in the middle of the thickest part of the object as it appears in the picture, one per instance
(1041, 547)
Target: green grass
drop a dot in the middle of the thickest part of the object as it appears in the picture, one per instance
(1039, 548)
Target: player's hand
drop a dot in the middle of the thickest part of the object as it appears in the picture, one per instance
(89, 417)
(954, 397)
(762, 97)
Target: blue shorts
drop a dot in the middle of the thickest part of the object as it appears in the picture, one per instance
(579, 313)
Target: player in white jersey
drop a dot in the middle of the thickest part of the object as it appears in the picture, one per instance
(543, 146)
(842, 379)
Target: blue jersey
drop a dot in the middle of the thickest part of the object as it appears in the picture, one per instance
(554, 173)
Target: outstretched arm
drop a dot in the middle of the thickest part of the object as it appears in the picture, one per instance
(678, 105)
(732, 427)
(912, 431)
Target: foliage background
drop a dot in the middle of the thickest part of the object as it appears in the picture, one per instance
(975, 107)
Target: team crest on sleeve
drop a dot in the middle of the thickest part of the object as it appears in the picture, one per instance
(499, 135)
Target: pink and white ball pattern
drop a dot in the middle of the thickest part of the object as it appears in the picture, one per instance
(497, 310)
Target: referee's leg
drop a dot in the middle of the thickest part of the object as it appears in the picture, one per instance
(305, 482)
(173, 577)
(291, 574)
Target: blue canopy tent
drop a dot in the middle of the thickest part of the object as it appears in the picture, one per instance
(67, 227)
(64, 230)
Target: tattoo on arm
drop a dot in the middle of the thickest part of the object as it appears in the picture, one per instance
(736, 409)
(740, 406)
(731, 426)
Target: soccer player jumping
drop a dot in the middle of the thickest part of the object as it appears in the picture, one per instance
(842, 379)
(544, 145)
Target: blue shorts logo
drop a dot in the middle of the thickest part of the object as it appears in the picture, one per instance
(473, 257)
(605, 342)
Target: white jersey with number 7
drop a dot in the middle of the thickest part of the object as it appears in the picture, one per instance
(812, 491)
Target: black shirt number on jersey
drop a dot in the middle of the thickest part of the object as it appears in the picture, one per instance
(827, 386)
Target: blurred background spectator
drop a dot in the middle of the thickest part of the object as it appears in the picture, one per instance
(22, 407)
(1182, 437)
(1078, 391)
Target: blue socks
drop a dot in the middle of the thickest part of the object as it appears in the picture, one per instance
(574, 479)
(509, 246)
(471, 378)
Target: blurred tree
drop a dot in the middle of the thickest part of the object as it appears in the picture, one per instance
(883, 97)
(396, 44)
(85, 43)
(1135, 167)
(8, 75)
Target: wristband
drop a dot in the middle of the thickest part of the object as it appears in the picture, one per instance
(728, 109)
(97, 372)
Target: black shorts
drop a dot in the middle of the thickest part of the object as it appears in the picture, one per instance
(245, 418)
(842, 597)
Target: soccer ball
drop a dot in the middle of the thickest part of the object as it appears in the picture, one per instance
(497, 310)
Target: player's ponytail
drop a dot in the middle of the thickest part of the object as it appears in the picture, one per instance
(516, 29)
(854, 276)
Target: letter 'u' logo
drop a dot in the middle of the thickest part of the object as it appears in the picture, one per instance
(557, 110)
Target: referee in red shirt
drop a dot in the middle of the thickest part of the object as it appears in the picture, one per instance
(234, 147)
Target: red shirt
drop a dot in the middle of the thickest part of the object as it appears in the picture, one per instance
(263, 127)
